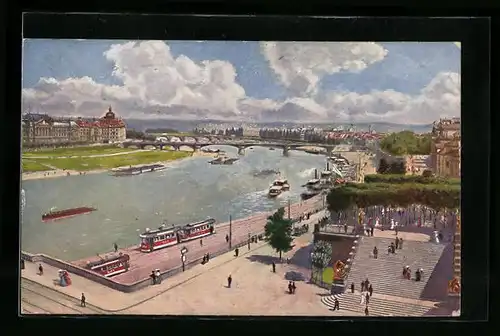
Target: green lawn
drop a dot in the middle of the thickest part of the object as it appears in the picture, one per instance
(77, 151)
(83, 164)
(33, 166)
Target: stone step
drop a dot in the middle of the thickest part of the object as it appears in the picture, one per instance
(376, 306)
(385, 272)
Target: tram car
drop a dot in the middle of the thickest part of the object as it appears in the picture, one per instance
(162, 237)
(110, 265)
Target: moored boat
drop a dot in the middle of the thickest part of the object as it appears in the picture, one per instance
(61, 214)
(274, 191)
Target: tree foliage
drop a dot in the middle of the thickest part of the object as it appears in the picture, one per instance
(321, 254)
(436, 196)
(278, 232)
(406, 143)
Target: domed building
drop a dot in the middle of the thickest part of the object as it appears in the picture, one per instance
(107, 129)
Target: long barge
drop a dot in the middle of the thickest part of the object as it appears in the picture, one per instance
(53, 215)
(137, 170)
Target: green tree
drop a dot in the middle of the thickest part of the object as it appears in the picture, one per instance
(397, 167)
(278, 232)
(321, 256)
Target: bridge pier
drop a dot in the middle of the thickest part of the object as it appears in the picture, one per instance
(286, 150)
(241, 150)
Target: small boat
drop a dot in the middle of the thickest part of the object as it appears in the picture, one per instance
(271, 148)
(109, 265)
(274, 191)
(281, 182)
(53, 214)
(223, 160)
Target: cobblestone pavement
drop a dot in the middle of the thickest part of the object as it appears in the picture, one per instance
(255, 290)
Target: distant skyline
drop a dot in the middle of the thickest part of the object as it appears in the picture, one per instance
(338, 82)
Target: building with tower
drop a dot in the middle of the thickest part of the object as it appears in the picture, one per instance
(41, 129)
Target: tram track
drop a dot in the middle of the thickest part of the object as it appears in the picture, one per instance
(53, 301)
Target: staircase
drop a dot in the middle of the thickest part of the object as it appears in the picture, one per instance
(376, 306)
(385, 272)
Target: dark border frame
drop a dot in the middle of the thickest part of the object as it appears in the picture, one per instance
(473, 33)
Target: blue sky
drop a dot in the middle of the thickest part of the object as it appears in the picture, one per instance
(407, 68)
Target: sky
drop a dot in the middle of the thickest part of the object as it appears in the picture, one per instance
(397, 82)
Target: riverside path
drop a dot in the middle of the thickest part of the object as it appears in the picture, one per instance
(141, 264)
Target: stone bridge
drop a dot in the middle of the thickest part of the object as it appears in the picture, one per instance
(240, 145)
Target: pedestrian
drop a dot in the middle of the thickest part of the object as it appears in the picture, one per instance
(290, 288)
(352, 287)
(274, 267)
(375, 253)
(229, 281)
(22, 264)
(293, 287)
(201, 242)
(115, 247)
(367, 298)
(345, 228)
(83, 301)
(236, 252)
(371, 231)
(336, 304)
(153, 277)
(370, 289)
(397, 242)
(40, 269)
(362, 286)
(366, 311)
(158, 276)
(227, 239)
(400, 243)
(208, 256)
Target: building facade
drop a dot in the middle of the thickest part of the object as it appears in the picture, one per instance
(446, 148)
(45, 130)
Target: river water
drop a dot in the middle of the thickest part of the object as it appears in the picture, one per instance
(188, 190)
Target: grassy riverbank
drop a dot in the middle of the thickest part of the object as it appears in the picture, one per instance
(76, 151)
(102, 163)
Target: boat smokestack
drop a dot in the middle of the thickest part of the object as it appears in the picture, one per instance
(327, 165)
(315, 173)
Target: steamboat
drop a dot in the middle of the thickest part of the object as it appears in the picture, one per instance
(223, 160)
(164, 236)
(53, 214)
(110, 265)
(279, 185)
(137, 170)
(310, 194)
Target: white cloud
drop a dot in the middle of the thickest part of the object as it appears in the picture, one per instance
(301, 65)
(156, 84)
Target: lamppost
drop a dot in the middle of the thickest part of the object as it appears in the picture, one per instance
(289, 209)
(184, 250)
(230, 231)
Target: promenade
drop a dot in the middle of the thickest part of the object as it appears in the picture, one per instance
(202, 290)
(168, 258)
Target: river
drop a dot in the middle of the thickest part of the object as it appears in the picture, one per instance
(188, 190)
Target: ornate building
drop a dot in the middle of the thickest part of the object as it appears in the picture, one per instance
(446, 148)
(42, 129)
